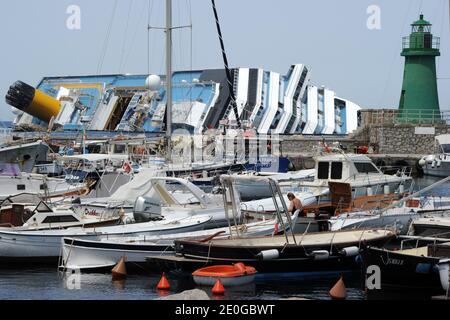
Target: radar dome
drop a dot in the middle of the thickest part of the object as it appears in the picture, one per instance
(153, 82)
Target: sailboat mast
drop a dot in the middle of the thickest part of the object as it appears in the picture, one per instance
(169, 79)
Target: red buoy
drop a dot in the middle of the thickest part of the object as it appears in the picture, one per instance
(339, 292)
(163, 283)
(218, 288)
(120, 271)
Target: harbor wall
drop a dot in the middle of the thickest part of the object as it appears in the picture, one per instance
(405, 138)
(389, 144)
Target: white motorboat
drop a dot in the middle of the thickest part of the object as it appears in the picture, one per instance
(123, 199)
(41, 216)
(357, 170)
(45, 245)
(253, 190)
(400, 217)
(108, 171)
(147, 197)
(13, 182)
(438, 164)
(105, 253)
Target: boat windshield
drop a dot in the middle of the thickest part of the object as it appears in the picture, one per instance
(445, 148)
(366, 167)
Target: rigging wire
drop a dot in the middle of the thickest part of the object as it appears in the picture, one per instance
(396, 56)
(107, 38)
(227, 69)
(122, 56)
(180, 38)
(441, 31)
(149, 17)
(136, 31)
(189, 8)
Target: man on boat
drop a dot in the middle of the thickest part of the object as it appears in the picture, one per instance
(295, 205)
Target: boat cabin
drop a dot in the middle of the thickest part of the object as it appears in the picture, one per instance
(443, 142)
(344, 168)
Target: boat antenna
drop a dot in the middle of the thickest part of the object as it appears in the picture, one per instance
(227, 69)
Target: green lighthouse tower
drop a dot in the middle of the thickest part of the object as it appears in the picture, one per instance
(419, 100)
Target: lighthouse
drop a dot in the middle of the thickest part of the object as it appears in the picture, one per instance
(419, 101)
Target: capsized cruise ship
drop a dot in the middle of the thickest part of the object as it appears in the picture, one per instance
(267, 101)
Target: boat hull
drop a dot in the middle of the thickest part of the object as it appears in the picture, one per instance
(227, 282)
(429, 230)
(40, 245)
(416, 275)
(89, 255)
(442, 171)
(400, 221)
(291, 258)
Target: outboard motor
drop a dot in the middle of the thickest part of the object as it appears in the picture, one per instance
(145, 210)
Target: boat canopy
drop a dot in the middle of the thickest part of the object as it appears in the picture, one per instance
(443, 139)
(151, 184)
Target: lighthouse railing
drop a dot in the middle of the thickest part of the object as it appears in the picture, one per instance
(431, 42)
(413, 116)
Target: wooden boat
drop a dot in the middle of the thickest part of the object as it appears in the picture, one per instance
(230, 275)
(431, 227)
(414, 271)
(89, 255)
(307, 253)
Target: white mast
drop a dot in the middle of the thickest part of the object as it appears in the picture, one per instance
(169, 79)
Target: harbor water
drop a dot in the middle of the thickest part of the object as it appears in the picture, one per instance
(50, 284)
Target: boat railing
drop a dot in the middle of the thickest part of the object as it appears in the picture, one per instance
(228, 185)
(435, 238)
(276, 191)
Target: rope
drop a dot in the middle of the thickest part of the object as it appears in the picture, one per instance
(227, 69)
(106, 42)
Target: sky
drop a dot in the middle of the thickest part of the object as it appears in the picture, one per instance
(330, 37)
